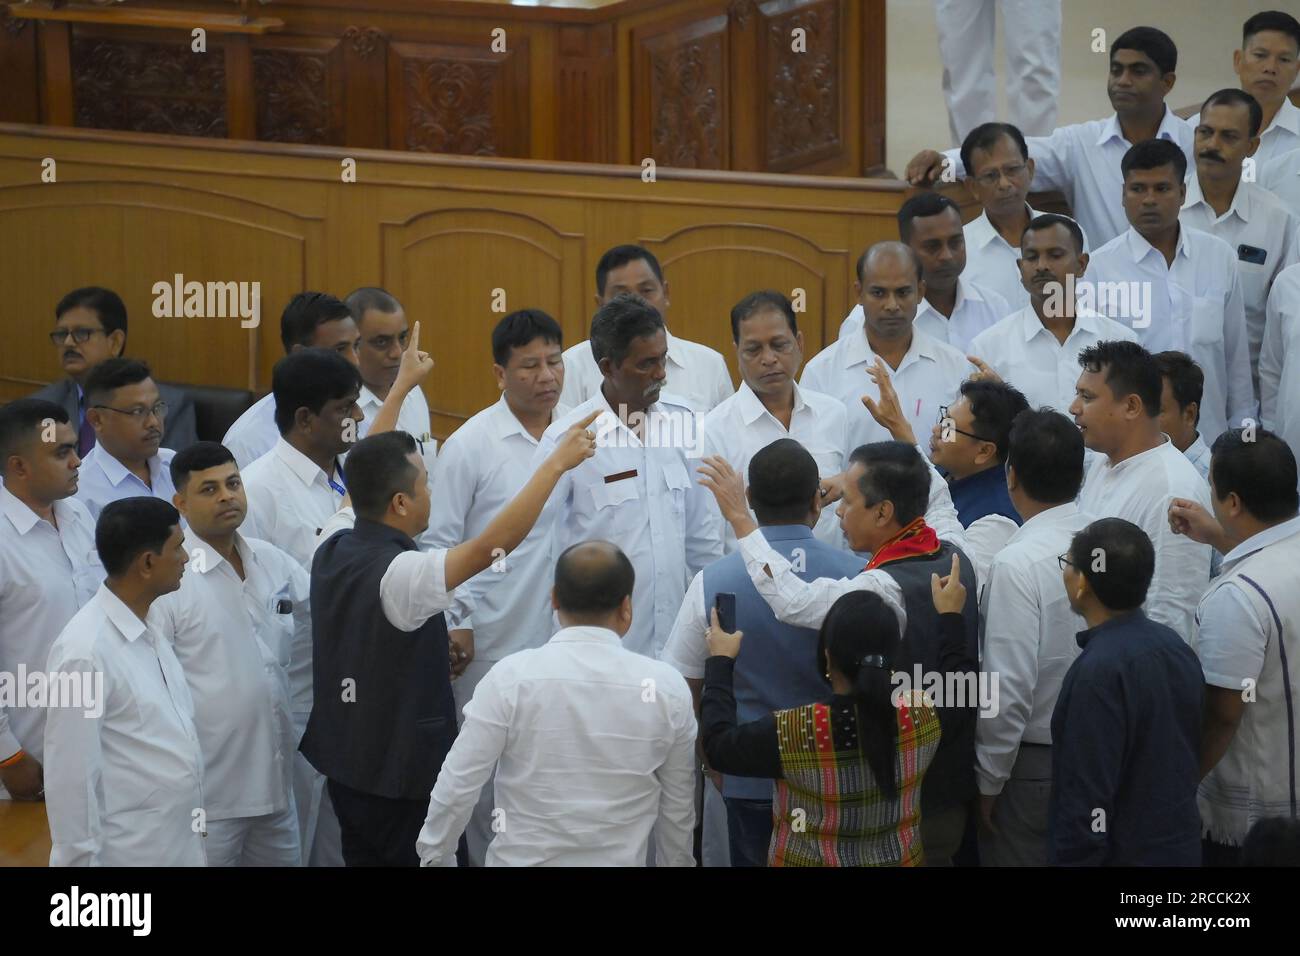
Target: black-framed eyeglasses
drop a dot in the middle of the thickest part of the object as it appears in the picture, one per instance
(1064, 561)
(158, 409)
(991, 178)
(80, 336)
(944, 417)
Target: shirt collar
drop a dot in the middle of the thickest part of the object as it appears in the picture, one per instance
(505, 424)
(1166, 442)
(586, 634)
(752, 408)
(302, 466)
(1287, 117)
(121, 616)
(211, 557)
(367, 398)
(674, 349)
(965, 291)
(1241, 204)
(1169, 123)
(1123, 620)
(786, 532)
(982, 232)
(1197, 448)
(114, 470)
(1084, 319)
(23, 517)
(1263, 539)
(858, 350)
(1139, 248)
(1045, 518)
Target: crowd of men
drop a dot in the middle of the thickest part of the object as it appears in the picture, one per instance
(326, 641)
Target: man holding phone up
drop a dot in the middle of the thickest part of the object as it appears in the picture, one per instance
(777, 668)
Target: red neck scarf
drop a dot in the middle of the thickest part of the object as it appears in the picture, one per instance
(917, 539)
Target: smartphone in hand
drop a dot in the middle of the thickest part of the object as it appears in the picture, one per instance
(726, 605)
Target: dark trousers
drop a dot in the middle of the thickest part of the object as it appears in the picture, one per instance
(749, 830)
(1219, 854)
(377, 831)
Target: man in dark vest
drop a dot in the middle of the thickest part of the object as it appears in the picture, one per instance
(883, 511)
(383, 716)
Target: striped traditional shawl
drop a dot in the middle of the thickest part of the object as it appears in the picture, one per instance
(829, 810)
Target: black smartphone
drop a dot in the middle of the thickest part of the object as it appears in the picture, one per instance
(726, 605)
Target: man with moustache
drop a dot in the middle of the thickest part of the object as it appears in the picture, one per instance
(90, 326)
(696, 373)
(954, 310)
(48, 568)
(481, 468)
(1083, 160)
(1194, 303)
(127, 413)
(1036, 349)
(1258, 226)
(232, 625)
(639, 488)
(925, 370)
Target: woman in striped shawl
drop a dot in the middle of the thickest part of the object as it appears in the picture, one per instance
(848, 770)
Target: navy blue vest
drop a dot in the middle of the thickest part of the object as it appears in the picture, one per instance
(777, 666)
(981, 494)
(390, 735)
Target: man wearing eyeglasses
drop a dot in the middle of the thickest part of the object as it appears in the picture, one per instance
(90, 326)
(124, 407)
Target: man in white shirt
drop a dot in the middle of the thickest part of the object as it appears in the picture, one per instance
(640, 487)
(925, 370)
(1267, 65)
(1083, 160)
(769, 405)
(1243, 625)
(232, 625)
(998, 173)
(310, 320)
(292, 491)
(383, 335)
(1139, 471)
(1180, 407)
(696, 373)
(1028, 639)
(1037, 348)
(1281, 177)
(481, 468)
(1178, 287)
(1262, 231)
(48, 568)
(954, 309)
(123, 765)
(1279, 360)
(377, 604)
(127, 413)
(594, 745)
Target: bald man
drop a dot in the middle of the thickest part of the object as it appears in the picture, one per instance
(925, 372)
(593, 744)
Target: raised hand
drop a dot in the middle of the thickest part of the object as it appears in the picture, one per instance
(925, 168)
(983, 370)
(415, 365)
(577, 445)
(888, 412)
(1187, 517)
(948, 593)
(721, 644)
(727, 487)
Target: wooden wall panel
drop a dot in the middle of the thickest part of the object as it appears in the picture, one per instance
(20, 97)
(300, 90)
(804, 117)
(442, 233)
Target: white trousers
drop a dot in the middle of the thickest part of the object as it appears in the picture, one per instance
(478, 832)
(1031, 41)
(318, 827)
(268, 840)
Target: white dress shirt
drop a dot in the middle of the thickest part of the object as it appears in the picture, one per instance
(660, 516)
(1198, 453)
(1083, 162)
(1028, 640)
(233, 638)
(254, 433)
(483, 466)
(46, 574)
(741, 426)
(1281, 177)
(289, 501)
(103, 479)
(928, 376)
(124, 788)
(1256, 218)
(594, 747)
(1196, 306)
(412, 418)
(696, 373)
(1279, 360)
(1282, 135)
(1027, 355)
(993, 263)
(974, 311)
(1139, 490)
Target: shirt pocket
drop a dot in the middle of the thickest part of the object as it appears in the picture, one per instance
(617, 505)
(1207, 320)
(678, 483)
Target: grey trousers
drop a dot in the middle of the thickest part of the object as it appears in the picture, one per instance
(1020, 814)
(941, 834)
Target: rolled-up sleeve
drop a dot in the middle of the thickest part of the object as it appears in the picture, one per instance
(414, 588)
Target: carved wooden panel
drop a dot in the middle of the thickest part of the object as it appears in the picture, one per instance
(586, 107)
(803, 74)
(148, 87)
(299, 90)
(20, 98)
(681, 73)
(459, 97)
